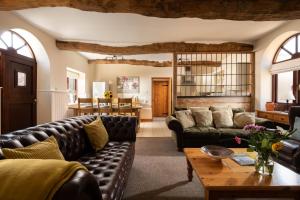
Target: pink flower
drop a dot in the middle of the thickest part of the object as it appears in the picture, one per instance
(238, 140)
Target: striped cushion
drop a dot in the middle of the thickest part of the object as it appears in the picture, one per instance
(47, 149)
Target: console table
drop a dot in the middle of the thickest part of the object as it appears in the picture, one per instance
(276, 116)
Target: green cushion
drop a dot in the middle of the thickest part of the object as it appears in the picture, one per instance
(231, 132)
(296, 135)
(237, 110)
(203, 131)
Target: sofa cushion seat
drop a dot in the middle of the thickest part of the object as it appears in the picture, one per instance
(110, 167)
(231, 132)
(201, 132)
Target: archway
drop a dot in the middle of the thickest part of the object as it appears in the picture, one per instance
(263, 66)
(43, 74)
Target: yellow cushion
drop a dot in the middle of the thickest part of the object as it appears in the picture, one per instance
(97, 134)
(47, 149)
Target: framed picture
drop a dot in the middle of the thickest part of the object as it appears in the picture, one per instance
(128, 84)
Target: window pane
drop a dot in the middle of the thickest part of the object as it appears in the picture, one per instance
(2, 45)
(283, 55)
(291, 45)
(17, 41)
(6, 37)
(285, 87)
(25, 51)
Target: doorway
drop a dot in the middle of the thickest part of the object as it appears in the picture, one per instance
(18, 77)
(161, 96)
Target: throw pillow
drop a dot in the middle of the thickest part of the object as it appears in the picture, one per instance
(186, 118)
(221, 108)
(196, 109)
(243, 119)
(296, 135)
(47, 149)
(238, 110)
(222, 119)
(203, 118)
(97, 134)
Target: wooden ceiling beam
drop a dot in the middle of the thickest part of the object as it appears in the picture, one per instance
(258, 10)
(132, 62)
(154, 48)
(207, 63)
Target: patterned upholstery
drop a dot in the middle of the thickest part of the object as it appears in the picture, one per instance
(109, 167)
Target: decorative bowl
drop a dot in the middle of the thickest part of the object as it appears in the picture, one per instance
(217, 152)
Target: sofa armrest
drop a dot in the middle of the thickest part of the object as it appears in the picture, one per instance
(264, 122)
(174, 124)
(82, 186)
(120, 128)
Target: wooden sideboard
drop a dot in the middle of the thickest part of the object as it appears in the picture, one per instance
(276, 116)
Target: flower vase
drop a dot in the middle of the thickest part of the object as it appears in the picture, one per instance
(264, 165)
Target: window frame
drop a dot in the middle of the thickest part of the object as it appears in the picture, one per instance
(15, 50)
(281, 47)
(182, 61)
(75, 89)
(296, 92)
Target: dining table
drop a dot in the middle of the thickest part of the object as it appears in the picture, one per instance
(136, 109)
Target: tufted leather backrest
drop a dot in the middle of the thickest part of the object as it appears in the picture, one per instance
(71, 137)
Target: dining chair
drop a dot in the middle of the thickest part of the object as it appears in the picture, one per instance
(104, 106)
(85, 106)
(125, 106)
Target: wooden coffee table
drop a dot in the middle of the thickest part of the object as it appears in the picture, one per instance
(227, 179)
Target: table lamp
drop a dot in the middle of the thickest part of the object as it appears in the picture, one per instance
(290, 96)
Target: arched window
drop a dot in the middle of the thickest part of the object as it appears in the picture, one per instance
(10, 40)
(290, 49)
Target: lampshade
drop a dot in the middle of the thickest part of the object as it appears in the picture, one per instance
(290, 96)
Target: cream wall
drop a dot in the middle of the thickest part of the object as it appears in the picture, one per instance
(109, 73)
(265, 49)
(51, 68)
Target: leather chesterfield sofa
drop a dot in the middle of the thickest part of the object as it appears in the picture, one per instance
(289, 156)
(108, 169)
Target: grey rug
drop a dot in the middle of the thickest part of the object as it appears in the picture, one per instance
(159, 173)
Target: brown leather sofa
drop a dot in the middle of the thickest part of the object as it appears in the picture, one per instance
(108, 169)
(289, 156)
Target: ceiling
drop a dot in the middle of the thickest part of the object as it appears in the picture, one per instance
(133, 29)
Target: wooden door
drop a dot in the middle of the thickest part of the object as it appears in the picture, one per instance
(19, 92)
(160, 98)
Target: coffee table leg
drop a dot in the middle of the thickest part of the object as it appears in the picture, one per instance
(210, 196)
(190, 170)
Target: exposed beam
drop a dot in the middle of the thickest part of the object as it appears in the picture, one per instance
(168, 47)
(257, 10)
(132, 62)
(201, 62)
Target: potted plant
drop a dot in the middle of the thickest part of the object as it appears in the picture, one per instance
(266, 143)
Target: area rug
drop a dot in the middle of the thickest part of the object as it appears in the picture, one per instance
(159, 173)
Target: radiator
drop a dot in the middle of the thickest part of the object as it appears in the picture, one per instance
(59, 106)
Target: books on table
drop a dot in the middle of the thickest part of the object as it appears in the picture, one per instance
(243, 159)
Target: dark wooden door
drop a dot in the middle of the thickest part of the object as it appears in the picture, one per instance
(160, 98)
(19, 91)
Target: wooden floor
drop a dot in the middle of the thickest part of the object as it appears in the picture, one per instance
(156, 128)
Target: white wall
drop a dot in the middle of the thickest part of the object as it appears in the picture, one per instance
(265, 49)
(51, 69)
(109, 73)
